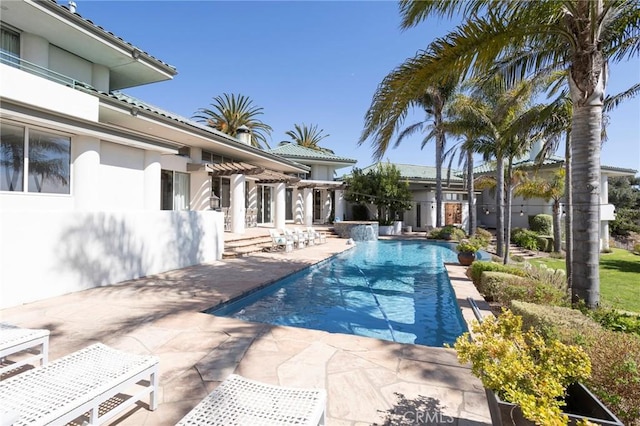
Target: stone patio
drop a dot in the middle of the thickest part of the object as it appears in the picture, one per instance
(368, 380)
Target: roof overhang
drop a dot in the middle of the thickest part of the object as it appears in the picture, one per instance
(125, 115)
(75, 126)
(128, 66)
(257, 173)
(320, 184)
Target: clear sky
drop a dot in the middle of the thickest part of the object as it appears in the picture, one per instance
(313, 62)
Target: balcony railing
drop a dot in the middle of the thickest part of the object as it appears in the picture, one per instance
(12, 60)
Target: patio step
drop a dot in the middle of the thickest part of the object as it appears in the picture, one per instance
(245, 246)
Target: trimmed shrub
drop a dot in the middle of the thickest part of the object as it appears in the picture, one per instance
(484, 235)
(477, 267)
(557, 255)
(555, 322)
(526, 239)
(541, 224)
(557, 278)
(492, 283)
(615, 373)
(615, 356)
(449, 232)
(505, 288)
(545, 243)
(615, 320)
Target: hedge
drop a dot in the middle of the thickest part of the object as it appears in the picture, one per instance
(477, 267)
(541, 224)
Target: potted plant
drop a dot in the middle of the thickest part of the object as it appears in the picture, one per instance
(467, 252)
(529, 380)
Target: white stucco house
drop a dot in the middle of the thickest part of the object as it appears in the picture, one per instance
(318, 197)
(422, 184)
(97, 187)
(522, 209)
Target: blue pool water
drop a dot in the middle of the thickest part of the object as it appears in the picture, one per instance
(392, 290)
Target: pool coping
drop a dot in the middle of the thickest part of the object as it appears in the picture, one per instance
(161, 315)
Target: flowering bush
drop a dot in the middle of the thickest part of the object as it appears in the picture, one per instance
(522, 367)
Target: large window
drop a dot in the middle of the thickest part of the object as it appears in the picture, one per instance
(48, 162)
(10, 43)
(175, 192)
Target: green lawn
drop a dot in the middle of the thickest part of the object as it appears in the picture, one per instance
(619, 278)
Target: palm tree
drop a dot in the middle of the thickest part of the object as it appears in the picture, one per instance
(462, 123)
(308, 136)
(230, 112)
(580, 36)
(389, 108)
(547, 189)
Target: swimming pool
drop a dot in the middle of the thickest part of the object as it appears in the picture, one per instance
(390, 289)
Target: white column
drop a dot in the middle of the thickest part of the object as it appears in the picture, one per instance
(253, 195)
(308, 207)
(281, 205)
(152, 186)
(340, 204)
(604, 235)
(237, 204)
(604, 189)
(86, 166)
(326, 206)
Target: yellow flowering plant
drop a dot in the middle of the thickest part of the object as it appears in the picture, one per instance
(523, 368)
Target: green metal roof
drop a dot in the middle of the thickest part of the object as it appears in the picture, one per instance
(415, 172)
(293, 150)
(551, 161)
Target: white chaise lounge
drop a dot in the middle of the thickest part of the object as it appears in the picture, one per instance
(78, 383)
(241, 401)
(13, 340)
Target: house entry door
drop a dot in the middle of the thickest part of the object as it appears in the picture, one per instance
(452, 213)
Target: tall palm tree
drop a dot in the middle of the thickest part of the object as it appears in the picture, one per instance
(308, 136)
(230, 112)
(462, 123)
(547, 189)
(580, 36)
(389, 108)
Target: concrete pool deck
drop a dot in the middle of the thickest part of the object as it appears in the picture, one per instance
(368, 380)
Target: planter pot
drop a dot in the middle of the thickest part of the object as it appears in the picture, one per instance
(581, 404)
(385, 230)
(465, 258)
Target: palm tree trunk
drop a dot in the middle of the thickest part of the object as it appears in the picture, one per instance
(499, 206)
(568, 209)
(439, 148)
(470, 194)
(585, 176)
(507, 209)
(556, 226)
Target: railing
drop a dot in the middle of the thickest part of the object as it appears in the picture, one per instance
(12, 60)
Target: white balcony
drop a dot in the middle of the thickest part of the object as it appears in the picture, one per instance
(607, 212)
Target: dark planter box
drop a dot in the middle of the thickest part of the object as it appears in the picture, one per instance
(581, 404)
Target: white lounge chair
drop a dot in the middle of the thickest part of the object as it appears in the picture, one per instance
(78, 383)
(297, 239)
(241, 401)
(280, 241)
(318, 237)
(304, 235)
(14, 340)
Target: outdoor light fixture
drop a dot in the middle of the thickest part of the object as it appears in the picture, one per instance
(214, 201)
(521, 210)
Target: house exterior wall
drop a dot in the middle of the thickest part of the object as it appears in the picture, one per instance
(121, 177)
(322, 172)
(70, 65)
(42, 93)
(72, 251)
